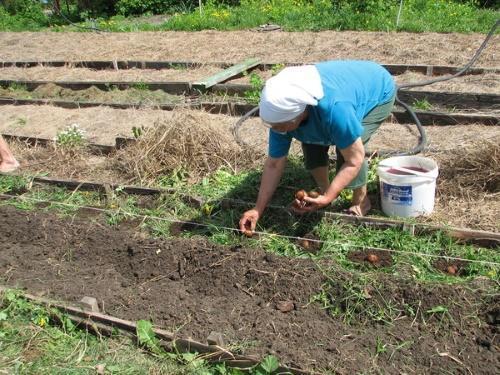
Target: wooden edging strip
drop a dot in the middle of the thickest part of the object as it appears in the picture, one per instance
(239, 109)
(227, 74)
(174, 88)
(471, 101)
(92, 320)
(478, 237)
(396, 69)
(445, 119)
(95, 148)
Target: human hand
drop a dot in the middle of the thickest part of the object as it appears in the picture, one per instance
(248, 221)
(309, 202)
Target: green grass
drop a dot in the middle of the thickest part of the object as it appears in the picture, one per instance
(38, 340)
(292, 15)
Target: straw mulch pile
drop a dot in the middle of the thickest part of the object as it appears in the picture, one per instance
(190, 141)
(469, 186)
(472, 170)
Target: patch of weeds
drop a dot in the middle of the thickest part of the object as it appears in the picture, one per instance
(37, 340)
(158, 228)
(17, 87)
(140, 86)
(422, 104)
(176, 180)
(71, 137)
(356, 299)
(341, 238)
(276, 68)
(257, 83)
(12, 184)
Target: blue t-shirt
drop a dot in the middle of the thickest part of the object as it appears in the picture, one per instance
(351, 90)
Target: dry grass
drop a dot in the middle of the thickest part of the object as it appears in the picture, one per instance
(235, 46)
(468, 188)
(68, 73)
(476, 168)
(189, 141)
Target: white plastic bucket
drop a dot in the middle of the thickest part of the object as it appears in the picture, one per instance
(407, 185)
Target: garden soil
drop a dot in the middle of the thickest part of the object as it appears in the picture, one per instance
(192, 287)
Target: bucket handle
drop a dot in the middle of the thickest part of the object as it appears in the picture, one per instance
(409, 171)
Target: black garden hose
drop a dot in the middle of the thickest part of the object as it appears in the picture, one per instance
(422, 142)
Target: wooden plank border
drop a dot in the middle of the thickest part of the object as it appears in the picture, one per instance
(97, 322)
(240, 109)
(395, 69)
(477, 101)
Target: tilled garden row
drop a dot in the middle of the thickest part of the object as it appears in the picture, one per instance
(192, 287)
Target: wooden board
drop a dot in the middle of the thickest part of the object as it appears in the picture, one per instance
(226, 74)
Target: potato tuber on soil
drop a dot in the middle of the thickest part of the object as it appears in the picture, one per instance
(248, 233)
(285, 306)
(305, 243)
(372, 258)
(452, 269)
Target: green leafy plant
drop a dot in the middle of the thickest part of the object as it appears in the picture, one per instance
(138, 131)
(147, 337)
(268, 365)
(380, 347)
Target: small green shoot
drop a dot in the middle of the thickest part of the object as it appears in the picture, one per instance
(21, 121)
(380, 347)
(138, 131)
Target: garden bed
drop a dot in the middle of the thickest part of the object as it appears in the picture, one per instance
(192, 287)
(235, 46)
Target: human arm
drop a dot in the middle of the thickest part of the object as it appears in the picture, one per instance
(271, 176)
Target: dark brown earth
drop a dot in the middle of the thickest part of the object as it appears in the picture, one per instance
(192, 287)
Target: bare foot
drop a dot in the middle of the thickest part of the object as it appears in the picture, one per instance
(8, 166)
(359, 209)
(360, 202)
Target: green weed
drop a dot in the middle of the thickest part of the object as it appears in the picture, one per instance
(141, 86)
(257, 83)
(422, 104)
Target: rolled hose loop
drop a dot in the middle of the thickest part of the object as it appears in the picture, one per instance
(422, 141)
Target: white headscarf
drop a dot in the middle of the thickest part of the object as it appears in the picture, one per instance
(286, 95)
